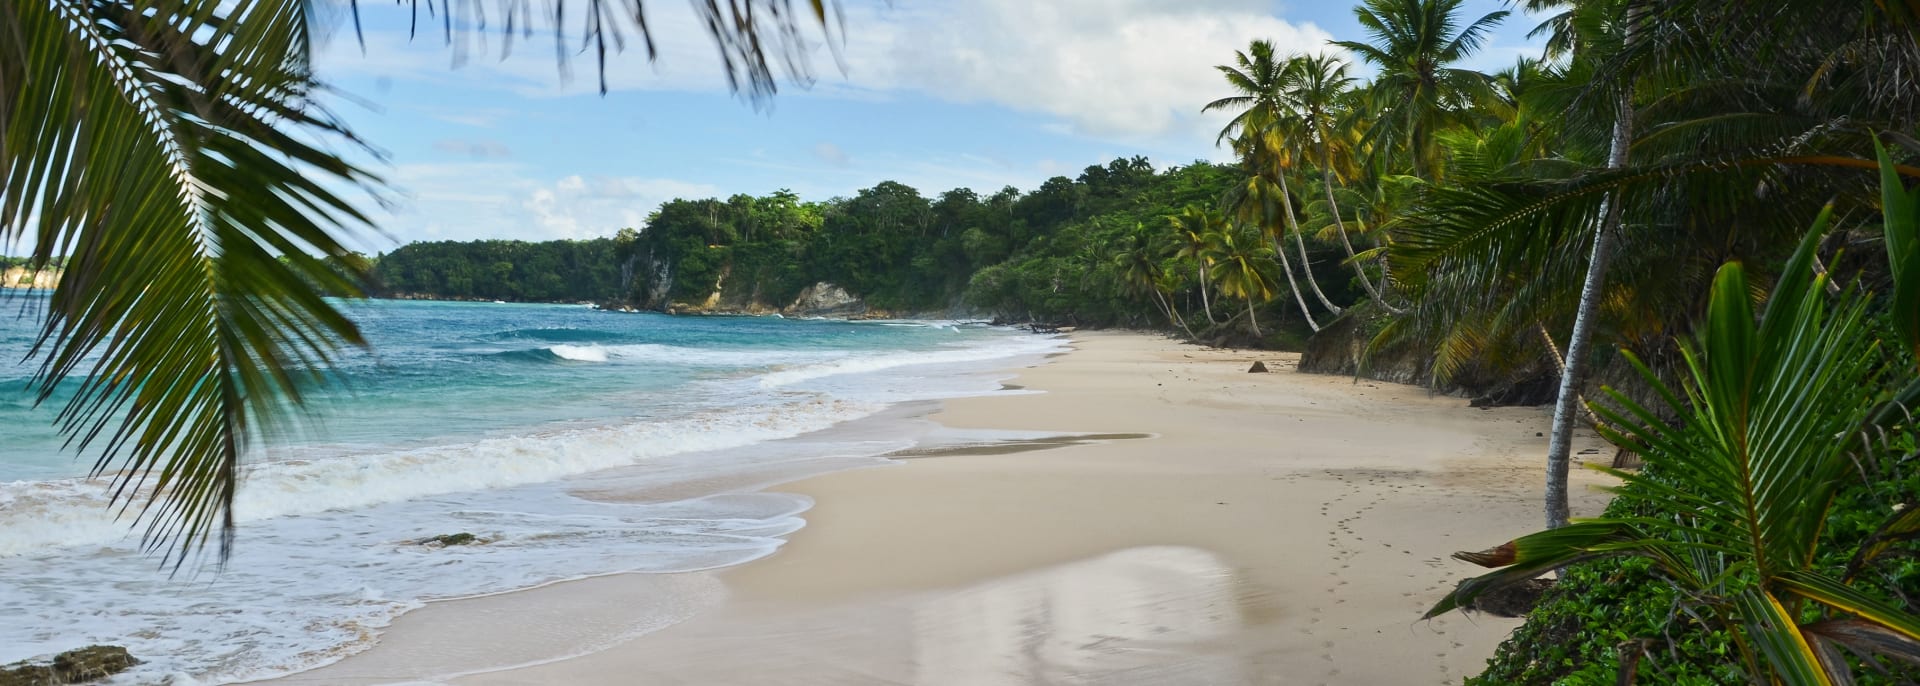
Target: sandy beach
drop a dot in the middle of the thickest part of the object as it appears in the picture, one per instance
(1196, 524)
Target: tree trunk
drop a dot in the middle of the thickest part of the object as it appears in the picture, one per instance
(1560, 445)
(1280, 250)
(1306, 265)
(1560, 365)
(1333, 208)
(1205, 304)
(1172, 317)
(1254, 321)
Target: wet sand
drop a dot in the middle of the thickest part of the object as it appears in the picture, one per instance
(1167, 518)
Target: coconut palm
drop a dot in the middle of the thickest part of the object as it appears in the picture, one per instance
(1773, 415)
(1258, 78)
(1321, 89)
(1240, 261)
(1138, 263)
(1197, 234)
(1265, 132)
(173, 151)
(1414, 43)
(1262, 202)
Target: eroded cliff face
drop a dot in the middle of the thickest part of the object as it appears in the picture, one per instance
(826, 300)
(656, 277)
(20, 277)
(1341, 348)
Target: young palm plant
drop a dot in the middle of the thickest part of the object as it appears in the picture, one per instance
(1731, 507)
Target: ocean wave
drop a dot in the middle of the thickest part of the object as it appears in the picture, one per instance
(38, 515)
(579, 353)
(654, 353)
(1000, 349)
(556, 335)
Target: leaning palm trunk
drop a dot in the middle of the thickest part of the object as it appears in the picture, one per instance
(1205, 304)
(1306, 265)
(1340, 225)
(1280, 251)
(1560, 366)
(1172, 317)
(1254, 321)
(1560, 442)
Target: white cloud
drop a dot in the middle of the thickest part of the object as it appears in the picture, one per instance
(1105, 68)
(1117, 69)
(472, 200)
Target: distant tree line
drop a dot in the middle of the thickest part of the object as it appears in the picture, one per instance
(550, 271)
(1067, 251)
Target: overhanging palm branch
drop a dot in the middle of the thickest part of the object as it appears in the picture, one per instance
(172, 151)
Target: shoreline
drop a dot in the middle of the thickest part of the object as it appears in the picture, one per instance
(1162, 522)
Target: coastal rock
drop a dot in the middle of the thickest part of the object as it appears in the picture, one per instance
(77, 666)
(1257, 368)
(1514, 600)
(444, 540)
(826, 300)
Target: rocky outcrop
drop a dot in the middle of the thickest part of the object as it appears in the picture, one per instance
(1512, 600)
(72, 667)
(826, 300)
(20, 277)
(444, 540)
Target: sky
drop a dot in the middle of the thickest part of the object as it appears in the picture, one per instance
(937, 94)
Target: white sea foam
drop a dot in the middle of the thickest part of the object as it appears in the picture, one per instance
(324, 559)
(580, 353)
(35, 515)
(999, 349)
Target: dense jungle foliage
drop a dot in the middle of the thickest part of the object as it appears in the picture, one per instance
(1051, 254)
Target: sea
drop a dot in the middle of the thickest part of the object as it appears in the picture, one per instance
(571, 442)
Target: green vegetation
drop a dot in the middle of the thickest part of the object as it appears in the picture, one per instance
(553, 271)
(1047, 255)
(1623, 200)
(1626, 199)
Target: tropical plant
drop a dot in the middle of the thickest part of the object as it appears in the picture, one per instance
(1138, 262)
(174, 151)
(1322, 90)
(1197, 234)
(1773, 414)
(1415, 43)
(1239, 265)
(1265, 133)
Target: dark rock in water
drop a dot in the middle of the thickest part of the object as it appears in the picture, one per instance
(1257, 368)
(72, 667)
(443, 540)
(1514, 600)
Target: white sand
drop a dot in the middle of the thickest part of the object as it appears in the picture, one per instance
(1275, 528)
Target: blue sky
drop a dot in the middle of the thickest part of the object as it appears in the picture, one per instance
(975, 93)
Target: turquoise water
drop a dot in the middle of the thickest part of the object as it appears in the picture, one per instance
(550, 431)
(443, 371)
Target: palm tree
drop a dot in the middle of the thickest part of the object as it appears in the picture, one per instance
(1417, 92)
(1255, 203)
(1320, 86)
(173, 152)
(1138, 262)
(1264, 132)
(1779, 410)
(1197, 234)
(1239, 266)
